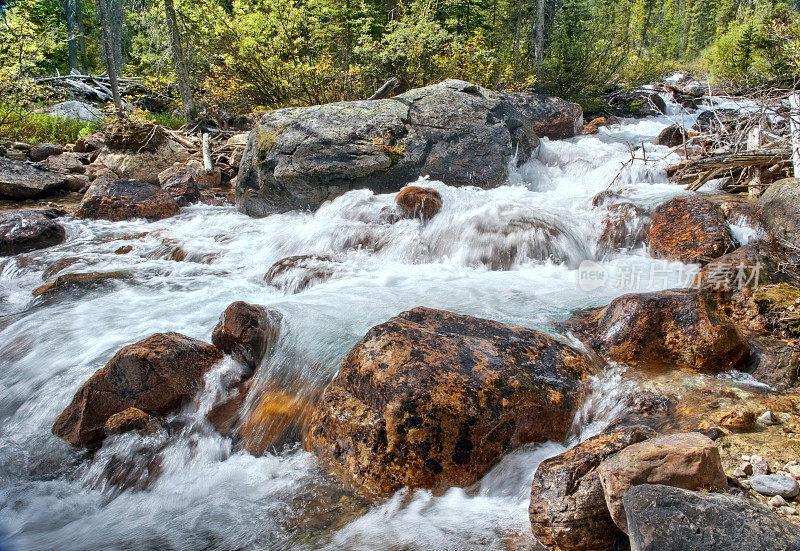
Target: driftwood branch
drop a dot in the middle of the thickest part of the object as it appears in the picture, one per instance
(207, 154)
(386, 89)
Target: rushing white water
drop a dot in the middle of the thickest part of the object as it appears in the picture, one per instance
(511, 254)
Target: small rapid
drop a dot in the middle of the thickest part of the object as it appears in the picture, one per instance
(511, 254)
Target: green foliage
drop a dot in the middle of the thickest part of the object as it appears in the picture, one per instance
(167, 120)
(35, 127)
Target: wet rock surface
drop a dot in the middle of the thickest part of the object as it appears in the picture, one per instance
(781, 210)
(454, 131)
(662, 518)
(418, 202)
(568, 509)
(690, 461)
(433, 399)
(155, 375)
(690, 229)
(295, 274)
(247, 331)
(64, 282)
(27, 230)
(677, 328)
(125, 199)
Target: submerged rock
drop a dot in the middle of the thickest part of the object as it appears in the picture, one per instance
(294, 274)
(781, 210)
(279, 417)
(122, 200)
(624, 227)
(418, 202)
(75, 280)
(676, 328)
(432, 399)
(690, 461)
(454, 131)
(662, 518)
(690, 229)
(26, 230)
(156, 375)
(129, 420)
(19, 180)
(568, 509)
(246, 332)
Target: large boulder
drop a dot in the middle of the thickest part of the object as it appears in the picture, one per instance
(781, 210)
(690, 229)
(122, 200)
(663, 518)
(144, 165)
(433, 399)
(676, 328)
(155, 375)
(568, 508)
(690, 461)
(454, 131)
(246, 332)
(41, 151)
(19, 180)
(76, 110)
(28, 230)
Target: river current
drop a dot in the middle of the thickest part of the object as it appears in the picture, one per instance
(512, 254)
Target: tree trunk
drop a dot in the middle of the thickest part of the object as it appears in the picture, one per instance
(540, 24)
(178, 56)
(69, 18)
(794, 101)
(108, 47)
(81, 36)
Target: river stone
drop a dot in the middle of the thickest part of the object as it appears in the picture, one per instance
(780, 205)
(41, 151)
(27, 230)
(77, 110)
(662, 518)
(454, 131)
(432, 399)
(418, 202)
(675, 328)
(690, 461)
(246, 332)
(294, 274)
(690, 229)
(125, 199)
(20, 180)
(129, 420)
(568, 509)
(157, 375)
(775, 485)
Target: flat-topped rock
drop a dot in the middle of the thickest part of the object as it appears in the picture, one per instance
(20, 180)
(27, 230)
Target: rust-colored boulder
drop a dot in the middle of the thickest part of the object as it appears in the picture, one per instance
(432, 399)
(676, 328)
(593, 127)
(568, 508)
(737, 418)
(624, 227)
(278, 418)
(688, 461)
(246, 332)
(129, 420)
(690, 229)
(125, 199)
(156, 375)
(418, 202)
(294, 274)
(75, 280)
(671, 136)
(27, 230)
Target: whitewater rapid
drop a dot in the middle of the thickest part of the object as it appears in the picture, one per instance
(511, 254)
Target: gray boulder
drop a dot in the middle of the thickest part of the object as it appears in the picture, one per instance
(27, 230)
(663, 518)
(76, 110)
(781, 210)
(20, 180)
(454, 131)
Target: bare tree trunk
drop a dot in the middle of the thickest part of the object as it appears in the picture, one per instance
(178, 56)
(794, 101)
(81, 36)
(540, 24)
(108, 47)
(517, 36)
(69, 18)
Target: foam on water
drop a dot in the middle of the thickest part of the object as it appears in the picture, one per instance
(511, 254)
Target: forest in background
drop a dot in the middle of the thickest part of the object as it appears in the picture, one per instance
(226, 58)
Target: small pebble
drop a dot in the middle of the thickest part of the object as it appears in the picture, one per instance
(746, 458)
(760, 466)
(767, 418)
(788, 510)
(739, 473)
(791, 463)
(772, 485)
(794, 471)
(777, 501)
